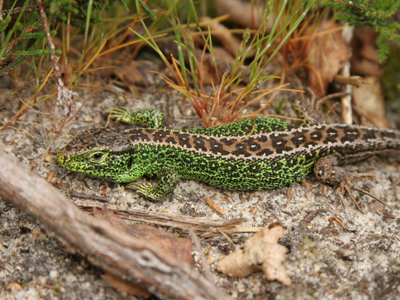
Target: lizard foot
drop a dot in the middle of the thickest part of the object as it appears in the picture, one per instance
(152, 117)
(146, 190)
(346, 185)
(120, 114)
(328, 171)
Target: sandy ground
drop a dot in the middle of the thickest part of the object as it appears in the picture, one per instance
(324, 262)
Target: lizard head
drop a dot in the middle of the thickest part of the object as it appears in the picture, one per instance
(102, 153)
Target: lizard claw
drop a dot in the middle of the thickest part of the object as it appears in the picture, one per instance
(120, 114)
(344, 187)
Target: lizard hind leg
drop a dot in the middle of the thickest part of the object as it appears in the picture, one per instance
(327, 171)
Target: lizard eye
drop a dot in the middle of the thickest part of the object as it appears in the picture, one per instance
(97, 156)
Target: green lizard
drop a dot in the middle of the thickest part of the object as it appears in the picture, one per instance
(247, 155)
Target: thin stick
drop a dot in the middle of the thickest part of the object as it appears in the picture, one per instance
(64, 95)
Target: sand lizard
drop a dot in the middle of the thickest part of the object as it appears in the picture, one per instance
(247, 155)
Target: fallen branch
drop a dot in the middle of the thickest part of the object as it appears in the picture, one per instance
(117, 253)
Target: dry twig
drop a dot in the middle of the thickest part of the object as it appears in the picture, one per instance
(64, 95)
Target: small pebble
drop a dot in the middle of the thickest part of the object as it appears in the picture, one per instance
(42, 237)
(54, 274)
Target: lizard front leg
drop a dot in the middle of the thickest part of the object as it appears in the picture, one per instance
(169, 179)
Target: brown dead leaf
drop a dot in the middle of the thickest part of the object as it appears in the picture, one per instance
(364, 59)
(259, 253)
(230, 42)
(326, 51)
(245, 14)
(369, 103)
(131, 75)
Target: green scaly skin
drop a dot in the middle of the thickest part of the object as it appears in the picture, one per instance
(251, 154)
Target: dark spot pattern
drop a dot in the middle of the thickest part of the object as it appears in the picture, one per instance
(199, 143)
(216, 147)
(278, 142)
(160, 135)
(265, 152)
(388, 134)
(369, 134)
(184, 140)
(316, 135)
(241, 153)
(171, 140)
(254, 146)
(298, 139)
(263, 138)
(331, 135)
(227, 142)
(350, 135)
